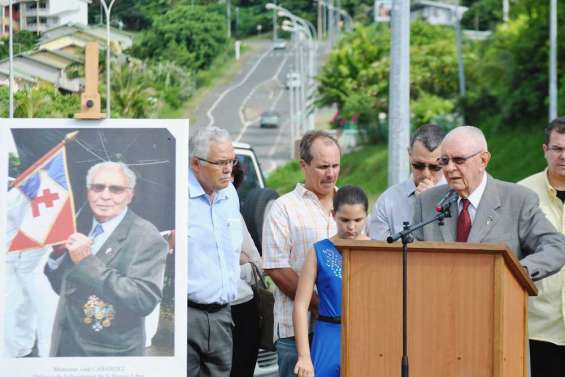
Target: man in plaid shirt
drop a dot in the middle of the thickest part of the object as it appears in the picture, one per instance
(297, 220)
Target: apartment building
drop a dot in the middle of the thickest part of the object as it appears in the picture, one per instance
(41, 15)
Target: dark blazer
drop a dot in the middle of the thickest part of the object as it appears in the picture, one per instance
(104, 299)
(507, 213)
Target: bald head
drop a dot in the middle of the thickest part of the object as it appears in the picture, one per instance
(464, 156)
(468, 135)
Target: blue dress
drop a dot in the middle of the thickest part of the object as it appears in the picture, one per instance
(327, 336)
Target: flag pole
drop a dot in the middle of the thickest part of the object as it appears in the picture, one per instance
(68, 138)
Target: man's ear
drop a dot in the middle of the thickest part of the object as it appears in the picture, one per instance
(195, 165)
(485, 158)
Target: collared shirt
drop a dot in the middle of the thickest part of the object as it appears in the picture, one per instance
(393, 207)
(474, 198)
(546, 312)
(295, 222)
(108, 227)
(214, 244)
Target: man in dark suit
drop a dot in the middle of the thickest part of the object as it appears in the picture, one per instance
(110, 277)
(487, 209)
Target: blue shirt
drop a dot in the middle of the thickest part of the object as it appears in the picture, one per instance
(214, 244)
(393, 207)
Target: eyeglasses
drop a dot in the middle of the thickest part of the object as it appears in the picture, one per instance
(222, 163)
(444, 160)
(114, 189)
(423, 165)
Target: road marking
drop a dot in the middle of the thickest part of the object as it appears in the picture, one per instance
(225, 92)
(245, 123)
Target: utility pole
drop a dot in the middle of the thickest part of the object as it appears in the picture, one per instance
(228, 16)
(460, 61)
(275, 22)
(505, 10)
(399, 92)
(11, 60)
(553, 60)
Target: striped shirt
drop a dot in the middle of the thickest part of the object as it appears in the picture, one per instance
(295, 222)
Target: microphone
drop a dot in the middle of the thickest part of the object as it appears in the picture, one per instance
(450, 197)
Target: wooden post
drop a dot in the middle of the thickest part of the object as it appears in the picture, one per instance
(90, 99)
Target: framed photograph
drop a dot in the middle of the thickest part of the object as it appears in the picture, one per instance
(90, 269)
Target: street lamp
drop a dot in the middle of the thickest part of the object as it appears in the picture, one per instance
(11, 61)
(108, 10)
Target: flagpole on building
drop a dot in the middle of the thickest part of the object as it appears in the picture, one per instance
(68, 138)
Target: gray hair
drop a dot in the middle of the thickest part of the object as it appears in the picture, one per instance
(430, 135)
(309, 138)
(111, 165)
(474, 134)
(199, 143)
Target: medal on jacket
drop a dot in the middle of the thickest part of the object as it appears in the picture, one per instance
(97, 314)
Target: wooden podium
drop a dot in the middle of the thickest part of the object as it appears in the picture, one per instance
(467, 310)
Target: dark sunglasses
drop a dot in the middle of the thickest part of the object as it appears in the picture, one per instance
(114, 189)
(422, 166)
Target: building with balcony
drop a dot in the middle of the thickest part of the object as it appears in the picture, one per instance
(41, 15)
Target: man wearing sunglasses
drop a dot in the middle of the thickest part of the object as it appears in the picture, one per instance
(109, 277)
(487, 209)
(546, 320)
(396, 204)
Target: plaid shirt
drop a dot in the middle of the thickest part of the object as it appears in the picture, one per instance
(295, 222)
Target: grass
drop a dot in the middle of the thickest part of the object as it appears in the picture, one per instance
(516, 154)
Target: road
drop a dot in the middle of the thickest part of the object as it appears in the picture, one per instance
(237, 105)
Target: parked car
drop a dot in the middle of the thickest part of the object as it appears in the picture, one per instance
(269, 119)
(255, 201)
(279, 44)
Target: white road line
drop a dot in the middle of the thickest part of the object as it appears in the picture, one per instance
(245, 123)
(225, 92)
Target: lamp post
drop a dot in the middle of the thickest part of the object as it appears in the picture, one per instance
(11, 61)
(343, 13)
(108, 11)
(553, 60)
(301, 27)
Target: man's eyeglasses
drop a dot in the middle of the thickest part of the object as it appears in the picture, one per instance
(222, 163)
(444, 160)
(423, 165)
(114, 189)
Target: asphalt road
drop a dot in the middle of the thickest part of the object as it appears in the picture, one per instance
(237, 105)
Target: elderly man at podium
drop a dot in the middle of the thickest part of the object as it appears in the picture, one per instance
(485, 209)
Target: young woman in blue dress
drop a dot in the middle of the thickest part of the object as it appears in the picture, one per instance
(323, 268)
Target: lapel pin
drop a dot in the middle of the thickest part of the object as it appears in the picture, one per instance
(108, 251)
(489, 220)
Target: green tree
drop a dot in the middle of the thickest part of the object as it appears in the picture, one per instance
(356, 76)
(132, 95)
(190, 36)
(23, 41)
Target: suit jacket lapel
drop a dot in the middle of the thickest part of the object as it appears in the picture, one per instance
(449, 228)
(486, 216)
(113, 244)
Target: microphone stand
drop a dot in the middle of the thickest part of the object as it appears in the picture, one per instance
(406, 236)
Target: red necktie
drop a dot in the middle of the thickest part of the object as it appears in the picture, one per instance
(464, 222)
